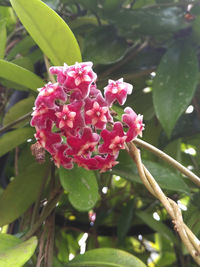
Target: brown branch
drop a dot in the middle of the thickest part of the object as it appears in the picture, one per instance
(189, 239)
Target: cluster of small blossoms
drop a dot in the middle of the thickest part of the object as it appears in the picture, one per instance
(73, 120)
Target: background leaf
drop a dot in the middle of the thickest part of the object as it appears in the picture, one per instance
(125, 220)
(3, 38)
(175, 83)
(81, 186)
(21, 108)
(96, 49)
(19, 254)
(106, 257)
(14, 138)
(8, 241)
(21, 193)
(49, 31)
(19, 75)
(165, 177)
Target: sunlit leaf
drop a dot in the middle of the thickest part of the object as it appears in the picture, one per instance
(106, 257)
(19, 75)
(18, 254)
(48, 30)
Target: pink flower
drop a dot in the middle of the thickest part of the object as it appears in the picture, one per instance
(83, 144)
(76, 77)
(72, 118)
(97, 162)
(42, 117)
(69, 118)
(97, 112)
(134, 122)
(60, 72)
(48, 140)
(49, 94)
(60, 157)
(117, 90)
(113, 140)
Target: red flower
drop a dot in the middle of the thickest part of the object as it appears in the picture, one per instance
(83, 144)
(69, 118)
(48, 140)
(134, 122)
(97, 162)
(113, 140)
(76, 77)
(117, 90)
(60, 157)
(42, 117)
(97, 112)
(49, 94)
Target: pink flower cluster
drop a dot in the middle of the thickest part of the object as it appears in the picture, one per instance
(73, 120)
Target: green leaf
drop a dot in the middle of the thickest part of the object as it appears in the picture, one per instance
(157, 226)
(147, 21)
(96, 46)
(81, 186)
(105, 257)
(48, 30)
(24, 62)
(20, 109)
(3, 37)
(14, 138)
(19, 75)
(19, 254)
(23, 48)
(21, 193)
(8, 241)
(165, 177)
(175, 83)
(125, 220)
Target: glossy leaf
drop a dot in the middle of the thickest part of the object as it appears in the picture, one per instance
(48, 30)
(165, 177)
(96, 46)
(8, 241)
(82, 187)
(175, 83)
(3, 36)
(20, 109)
(14, 138)
(148, 21)
(19, 254)
(21, 193)
(103, 257)
(19, 75)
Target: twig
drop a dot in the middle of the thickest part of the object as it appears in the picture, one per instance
(128, 57)
(47, 64)
(46, 212)
(189, 239)
(10, 125)
(193, 177)
(37, 203)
